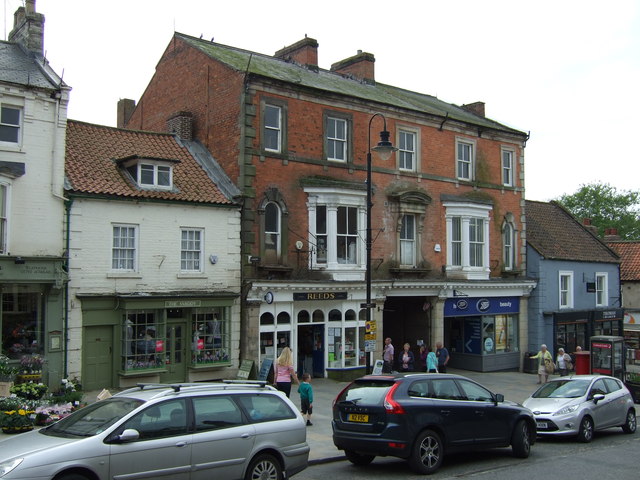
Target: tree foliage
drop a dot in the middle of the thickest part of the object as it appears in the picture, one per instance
(607, 208)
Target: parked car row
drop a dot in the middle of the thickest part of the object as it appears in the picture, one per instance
(423, 417)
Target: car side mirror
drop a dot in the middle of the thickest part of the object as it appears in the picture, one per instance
(597, 397)
(499, 397)
(128, 435)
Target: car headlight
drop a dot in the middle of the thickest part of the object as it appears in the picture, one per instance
(565, 410)
(6, 467)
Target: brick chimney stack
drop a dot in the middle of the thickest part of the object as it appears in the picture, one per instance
(181, 123)
(126, 106)
(361, 66)
(611, 235)
(475, 107)
(28, 28)
(304, 52)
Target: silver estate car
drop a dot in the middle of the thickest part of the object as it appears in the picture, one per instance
(178, 432)
(581, 404)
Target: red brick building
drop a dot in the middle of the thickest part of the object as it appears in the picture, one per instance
(447, 216)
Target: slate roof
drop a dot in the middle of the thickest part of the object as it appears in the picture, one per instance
(91, 164)
(20, 67)
(556, 235)
(281, 70)
(629, 253)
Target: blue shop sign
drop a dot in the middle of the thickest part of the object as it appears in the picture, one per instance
(467, 306)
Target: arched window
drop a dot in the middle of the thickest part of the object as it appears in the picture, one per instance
(266, 319)
(303, 316)
(272, 223)
(508, 246)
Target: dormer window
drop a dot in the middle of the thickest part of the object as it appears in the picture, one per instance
(150, 173)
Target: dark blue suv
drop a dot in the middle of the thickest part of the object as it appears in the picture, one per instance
(420, 417)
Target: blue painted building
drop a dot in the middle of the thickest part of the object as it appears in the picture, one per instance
(578, 280)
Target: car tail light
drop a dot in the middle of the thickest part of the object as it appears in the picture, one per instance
(390, 405)
(396, 445)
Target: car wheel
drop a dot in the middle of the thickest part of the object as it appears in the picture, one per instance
(630, 425)
(585, 434)
(72, 476)
(521, 440)
(264, 467)
(427, 453)
(357, 459)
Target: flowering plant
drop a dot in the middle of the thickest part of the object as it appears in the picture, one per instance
(30, 364)
(16, 419)
(52, 413)
(7, 371)
(30, 391)
(70, 391)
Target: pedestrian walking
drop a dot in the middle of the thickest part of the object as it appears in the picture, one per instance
(563, 362)
(406, 359)
(432, 361)
(545, 364)
(306, 397)
(285, 373)
(443, 357)
(422, 358)
(387, 356)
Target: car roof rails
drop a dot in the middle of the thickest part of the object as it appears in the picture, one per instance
(250, 383)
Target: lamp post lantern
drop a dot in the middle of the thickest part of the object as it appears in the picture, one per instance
(384, 149)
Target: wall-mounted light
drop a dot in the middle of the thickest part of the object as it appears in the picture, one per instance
(19, 261)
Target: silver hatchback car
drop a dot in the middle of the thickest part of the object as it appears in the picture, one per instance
(581, 404)
(182, 432)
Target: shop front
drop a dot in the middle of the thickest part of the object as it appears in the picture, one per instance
(140, 338)
(575, 328)
(482, 333)
(324, 328)
(32, 312)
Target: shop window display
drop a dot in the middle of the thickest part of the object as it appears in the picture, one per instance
(210, 338)
(143, 341)
(22, 320)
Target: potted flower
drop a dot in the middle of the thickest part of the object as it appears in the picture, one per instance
(30, 390)
(30, 368)
(52, 413)
(17, 420)
(7, 375)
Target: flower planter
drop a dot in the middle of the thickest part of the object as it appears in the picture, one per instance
(23, 429)
(30, 377)
(5, 389)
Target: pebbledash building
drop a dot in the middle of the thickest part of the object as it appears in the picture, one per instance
(448, 225)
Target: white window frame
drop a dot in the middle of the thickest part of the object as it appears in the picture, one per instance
(141, 164)
(118, 248)
(408, 253)
(508, 246)
(462, 215)
(602, 296)
(17, 126)
(565, 295)
(337, 141)
(277, 233)
(5, 209)
(331, 199)
(508, 156)
(273, 128)
(405, 152)
(469, 163)
(191, 252)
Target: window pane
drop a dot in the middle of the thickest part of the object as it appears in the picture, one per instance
(272, 218)
(10, 116)
(146, 174)
(191, 250)
(123, 252)
(144, 341)
(272, 116)
(321, 234)
(272, 130)
(456, 241)
(164, 176)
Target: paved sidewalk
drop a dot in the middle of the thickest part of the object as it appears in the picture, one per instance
(514, 386)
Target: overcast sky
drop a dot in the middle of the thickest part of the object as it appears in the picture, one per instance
(566, 71)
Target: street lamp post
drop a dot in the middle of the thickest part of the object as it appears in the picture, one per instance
(384, 149)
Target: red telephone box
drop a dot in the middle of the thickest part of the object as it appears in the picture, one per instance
(607, 355)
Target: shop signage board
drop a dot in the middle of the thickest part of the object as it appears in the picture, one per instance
(267, 363)
(466, 306)
(244, 372)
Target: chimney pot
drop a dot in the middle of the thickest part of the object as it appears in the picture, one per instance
(586, 222)
(303, 52)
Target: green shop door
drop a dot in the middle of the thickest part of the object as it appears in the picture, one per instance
(97, 370)
(176, 350)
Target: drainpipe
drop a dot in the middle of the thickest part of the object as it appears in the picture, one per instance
(67, 210)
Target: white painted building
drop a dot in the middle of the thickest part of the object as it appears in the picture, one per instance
(154, 248)
(33, 115)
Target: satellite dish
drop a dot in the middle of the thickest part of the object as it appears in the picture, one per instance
(299, 245)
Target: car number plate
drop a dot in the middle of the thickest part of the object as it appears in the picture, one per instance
(541, 424)
(357, 417)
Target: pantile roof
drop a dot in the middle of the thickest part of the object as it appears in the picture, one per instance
(556, 235)
(20, 67)
(629, 253)
(92, 164)
(284, 71)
